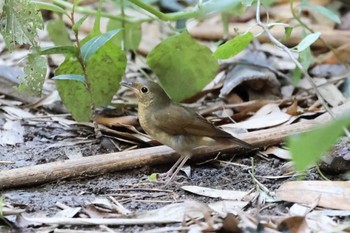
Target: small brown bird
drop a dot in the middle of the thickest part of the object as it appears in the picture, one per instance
(174, 125)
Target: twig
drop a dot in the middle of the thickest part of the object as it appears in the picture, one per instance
(6, 162)
(321, 174)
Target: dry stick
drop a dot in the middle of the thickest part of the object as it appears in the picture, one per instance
(103, 163)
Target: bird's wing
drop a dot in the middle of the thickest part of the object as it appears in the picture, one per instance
(181, 120)
(184, 121)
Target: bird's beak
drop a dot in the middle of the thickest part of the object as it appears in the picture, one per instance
(129, 85)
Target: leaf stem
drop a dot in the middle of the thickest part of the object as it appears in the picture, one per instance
(88, 11)
(83, 66)
(122, 6)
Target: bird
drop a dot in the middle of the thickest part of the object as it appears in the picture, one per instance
(175, 125)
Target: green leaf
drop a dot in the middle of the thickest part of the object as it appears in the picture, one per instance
(35, 74)
(247, 3)
(307, 148)
(287, 32)
(77, 25)
(211, 7)
(1, 205)
(268, 3)
(307, 41)
(152, 177)
(2, 3)
(296, 76)
(104, 69)
(234, 46)
(183, 66)
(20, 19)
(305, 58)
(74, 77)
(74, 94)
(90, 47)
(59, 50)
(50, 7)
(131, 32)
(326, 12)
(58, 32)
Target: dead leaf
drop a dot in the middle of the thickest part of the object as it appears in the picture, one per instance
(329, 71)
(46, 100)
(329, 194)
(226, 207)
(267, 121)
(279, 152)
(255, 78)
(294, 224)
(14, 113)
(328, 90)
(215, 193)
(340, 55)
(299, 210)
(12, 133)
(287, 91)
(293, 109)
(68, 212)
(230, 224)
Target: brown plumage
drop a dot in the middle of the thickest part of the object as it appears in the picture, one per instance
(174, 125)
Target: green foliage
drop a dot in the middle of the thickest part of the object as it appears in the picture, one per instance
(74, 77)
(152, 177)
(183, 66)
(131, 33)
(1, 205)
(49, 6)
(35, 71)
(59, 50)
(287, 32)
(104, 70)
(58, 32)
(18, 20)
(307, 41)
(74, 93)
(305, 58)
(77, 25)
(322, 10)
(211, 7)
(234, 46)
(94, 44)
(307, 148)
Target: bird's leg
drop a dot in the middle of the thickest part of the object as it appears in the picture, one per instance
(184, 159)
(170, 172)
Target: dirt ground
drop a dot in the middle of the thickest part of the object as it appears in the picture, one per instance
(131, 187)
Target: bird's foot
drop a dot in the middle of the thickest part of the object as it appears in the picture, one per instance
(162, 179)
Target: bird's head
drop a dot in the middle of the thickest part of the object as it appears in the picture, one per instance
(148, 93)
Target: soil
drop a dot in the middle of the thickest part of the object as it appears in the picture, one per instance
(128, 187)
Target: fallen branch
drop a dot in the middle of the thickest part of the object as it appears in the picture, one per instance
(103, 163)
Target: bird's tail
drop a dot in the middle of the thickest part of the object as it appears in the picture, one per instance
(243, 144)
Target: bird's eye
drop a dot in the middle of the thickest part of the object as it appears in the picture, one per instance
(144, 89)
